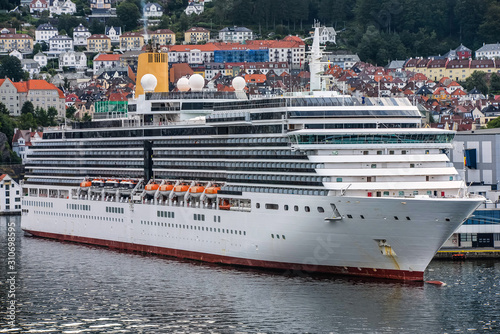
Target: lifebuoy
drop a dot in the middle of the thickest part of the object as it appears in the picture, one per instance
(454, 241)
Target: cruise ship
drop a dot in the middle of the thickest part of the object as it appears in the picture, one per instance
(316, 182)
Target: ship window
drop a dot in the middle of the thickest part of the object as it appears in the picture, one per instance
(272, 236)
(272, 206)
(362, 217)
(277, 236)
(365, 152)
(374, 166)
(194, 216)
(379, 152)
(396, 218)
(307, 209)
(257, 205)
(412, 165)
(320, 209)
(283, 236)
(349, 216)
(295, 208)
(386, 193)
(285, 207)
(408, 218)
(391, 152)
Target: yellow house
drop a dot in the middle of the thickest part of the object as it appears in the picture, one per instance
(436, 69)
(98, 43)
(483, 65)
(163, 37)
(458, 70)
(196, 34)
(20, 42)
(131, 41)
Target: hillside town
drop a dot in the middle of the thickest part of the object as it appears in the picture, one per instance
(90, 72)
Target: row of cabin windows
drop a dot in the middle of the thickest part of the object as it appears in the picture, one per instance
(272, 206)
(245, 165)
(165, 214)
(222, 141)
(41, 204)
(84, 207)
(279, 190)
(75, 215)
(199, 217)
(112, 209)
(278, 236)
(193, 227)
(88, 153)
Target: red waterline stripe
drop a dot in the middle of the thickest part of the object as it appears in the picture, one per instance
(403, 275)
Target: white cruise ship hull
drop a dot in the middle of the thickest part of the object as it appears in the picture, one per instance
(392, 238)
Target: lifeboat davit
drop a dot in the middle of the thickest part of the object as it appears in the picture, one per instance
(196, 191)
(85, 185)
(211, 192)
(151, 188)
(165, 189)
(181, 189)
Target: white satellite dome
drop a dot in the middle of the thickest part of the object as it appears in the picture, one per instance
(196, 82)
(183, 84)
(239, 83)
(149, 82)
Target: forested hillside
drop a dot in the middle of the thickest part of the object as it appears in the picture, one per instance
(379, 30)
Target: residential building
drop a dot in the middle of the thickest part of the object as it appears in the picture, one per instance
(235, 34)
(59, 7)
(80, 35)
(10, 194)
(38, 6)
(195, 7)
(488, 51)
(346, 61)
(45, 95)
(195, 35)
(463, 52)
(162, 37)
(44, 32)
(152, 10)
(21, 142)
(191, 54)
(10, 94)
(98, 43)
(21, 42)
(72, 59)
(16, 54)
(113, 33)
(102, 4)
(131, 41)
(30, 66)
(104, 60)
(327, 35)
(58, 44)
(41, 59)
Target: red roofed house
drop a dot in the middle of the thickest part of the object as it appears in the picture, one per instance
(104, 60)
(21, 142)
(10, 194)
(41, 93)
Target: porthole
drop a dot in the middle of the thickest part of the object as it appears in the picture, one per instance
(285, 207)
(272, 236)
(296, 208)
(320, 209)
(349, 216)
(307, 209)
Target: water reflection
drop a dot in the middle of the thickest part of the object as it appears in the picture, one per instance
(73, 288)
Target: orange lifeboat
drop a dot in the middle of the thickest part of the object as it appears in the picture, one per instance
(127, 184)
(224, 205)
(211, 192)
(85, 185)
(196, 191)
(111, 183)
(165, 189)
(151, 188)
(98, 183)
(181, 189)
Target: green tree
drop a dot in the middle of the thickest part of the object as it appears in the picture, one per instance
(70, 112)
(11, 68)
(3, 109)
(129, 14)
(494, 123)
(41, 117)
(27, 108)
(52, 116)
(27, 121)
(477, 80)
(495, 84)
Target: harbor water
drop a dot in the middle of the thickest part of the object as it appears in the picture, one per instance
(60, 287)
